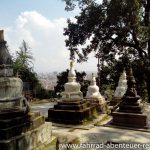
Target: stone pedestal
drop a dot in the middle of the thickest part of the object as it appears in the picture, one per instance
(130, 111)
(20, 129)
(72, 112)
(129, 120)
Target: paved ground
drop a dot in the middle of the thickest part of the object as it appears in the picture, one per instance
(42, 108)
(103, 135)
(95, 134)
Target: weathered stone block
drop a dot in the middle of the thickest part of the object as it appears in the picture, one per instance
(129, 120)
(29, 140)
(71, 115)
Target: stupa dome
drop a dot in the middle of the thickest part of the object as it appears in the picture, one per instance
(72, 88)
(93, 89)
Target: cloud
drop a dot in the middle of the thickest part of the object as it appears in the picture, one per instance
(45, 37)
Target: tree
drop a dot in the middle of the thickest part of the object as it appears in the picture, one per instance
(62, 78)
(115, 28)
(23, 58)
(23, 65)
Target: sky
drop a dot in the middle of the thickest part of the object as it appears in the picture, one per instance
(40, 23)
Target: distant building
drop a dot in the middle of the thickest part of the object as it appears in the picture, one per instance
(48, 80)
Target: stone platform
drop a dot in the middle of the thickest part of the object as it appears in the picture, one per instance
(71, 112)
(20, 129)
(23, 131)
(130, 114)
(32, 140)
(129, 120)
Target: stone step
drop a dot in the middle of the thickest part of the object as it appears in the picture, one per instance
(7, 133)
(6, 123)
(129, 120)
(11, 113)
(71, 102)
(70, 116)
(12, 122)
(130, 109)
(62, 106)
(37, 139)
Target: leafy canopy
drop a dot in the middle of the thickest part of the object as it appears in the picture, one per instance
(113, 27)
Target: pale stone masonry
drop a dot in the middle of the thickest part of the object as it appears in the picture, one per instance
(20, 129)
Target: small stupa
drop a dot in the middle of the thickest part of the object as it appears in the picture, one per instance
(94, 96)
(130, 111)
(121, 88)
(93, 89)
(119, 92)
(11, 97)
(72, 109)
(72, 88)
(20, 129)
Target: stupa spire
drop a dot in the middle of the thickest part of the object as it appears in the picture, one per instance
(72, 73)
(122, 87)
(5, 58)
(1, 35)
(93, 89)
(93, 80)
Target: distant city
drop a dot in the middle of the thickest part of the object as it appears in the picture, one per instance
(49, 80)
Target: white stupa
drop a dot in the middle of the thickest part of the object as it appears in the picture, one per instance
(122, 86)
(93, 91)
(72, 88)
(94, 96)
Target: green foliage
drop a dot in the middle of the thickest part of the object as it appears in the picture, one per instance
(23, 65)
(71, 4)
(109, 29)
(62, 78)
(42, 93)
(119, 34)
(23, 58)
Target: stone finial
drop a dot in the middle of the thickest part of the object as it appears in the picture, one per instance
(93, 75)
(6, 69)
(131, 91)
(1, 35)
(93, 81)
(71, 64)
(72, 73)
(123, 74)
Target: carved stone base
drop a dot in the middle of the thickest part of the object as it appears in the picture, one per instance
(32, 140)
(15, 126)
(73, 112)
(22, 131)
(129, 120)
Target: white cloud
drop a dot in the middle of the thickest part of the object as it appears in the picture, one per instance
(46, 39)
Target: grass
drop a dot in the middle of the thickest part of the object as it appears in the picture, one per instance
(104, 120)
(37, 101)
(71, 130)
